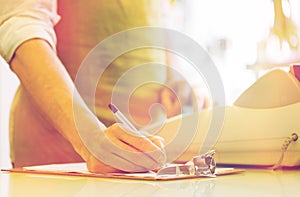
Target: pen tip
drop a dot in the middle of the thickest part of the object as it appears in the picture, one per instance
(113, 108)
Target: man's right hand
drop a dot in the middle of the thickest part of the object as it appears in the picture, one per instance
(121, 150)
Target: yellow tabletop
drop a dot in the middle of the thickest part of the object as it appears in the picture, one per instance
(252, 182)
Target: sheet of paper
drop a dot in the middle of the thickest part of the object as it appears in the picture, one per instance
(80, 169)
(69, 167)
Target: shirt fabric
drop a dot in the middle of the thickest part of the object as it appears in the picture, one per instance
(73, 28)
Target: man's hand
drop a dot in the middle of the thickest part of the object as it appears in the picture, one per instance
(121, 150)
(43, 76)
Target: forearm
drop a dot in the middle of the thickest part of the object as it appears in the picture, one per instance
(51, 90)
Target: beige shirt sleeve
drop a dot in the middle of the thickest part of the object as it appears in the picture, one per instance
(23, 20)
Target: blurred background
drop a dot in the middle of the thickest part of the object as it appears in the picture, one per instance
(245, 39)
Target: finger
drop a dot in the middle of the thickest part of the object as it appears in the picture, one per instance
(112, 155)
(159, 141)
(141, 150)
(96, 166)
(115, 164)
(121, 135)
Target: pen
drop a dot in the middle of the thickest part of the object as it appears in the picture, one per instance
(121, 118)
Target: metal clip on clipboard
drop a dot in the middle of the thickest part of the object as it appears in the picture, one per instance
(202, 165)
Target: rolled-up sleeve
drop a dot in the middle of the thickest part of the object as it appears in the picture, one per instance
(24, 20)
